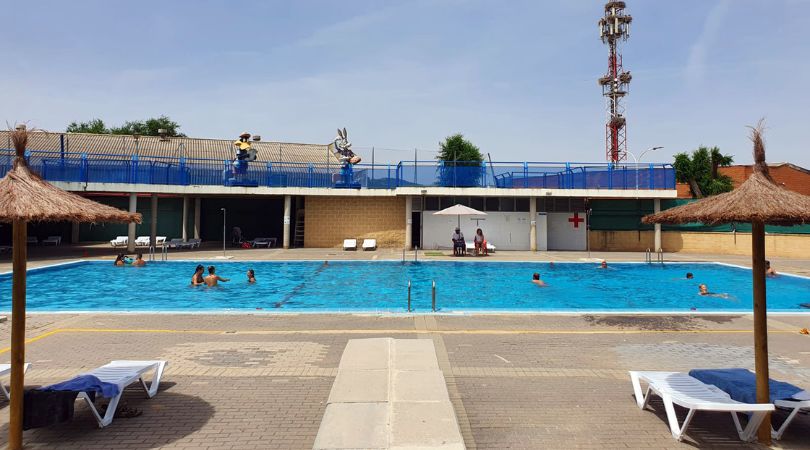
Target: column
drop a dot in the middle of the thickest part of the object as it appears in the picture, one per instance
(657, 208)
(153, 224)
(74, 233)
(133, 207)
(408, 222)
(184, 235)
(533, 224)
(287, 208)
(197, 207)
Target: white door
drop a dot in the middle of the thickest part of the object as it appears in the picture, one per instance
(567, 231)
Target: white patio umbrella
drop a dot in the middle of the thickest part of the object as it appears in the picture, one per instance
(459, 210)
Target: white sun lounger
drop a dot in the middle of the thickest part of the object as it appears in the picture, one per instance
(794, 406)
(369, 244)
(120, 241)
(678, 388)
(471, 247)
(124, 373)
(5, 369)
(55, 240)
(350, 244)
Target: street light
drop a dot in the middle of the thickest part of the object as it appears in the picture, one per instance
(223, 231)
(636, 160)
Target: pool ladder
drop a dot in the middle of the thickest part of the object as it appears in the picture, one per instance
(433, 296)
(164, 253)
(659, 256)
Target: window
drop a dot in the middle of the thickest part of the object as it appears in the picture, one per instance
(492, 203)
(522, 204)
(417, 203)
(477, 203)
(432, 204)
(507, 204)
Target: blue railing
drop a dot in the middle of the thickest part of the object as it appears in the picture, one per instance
(109, 168)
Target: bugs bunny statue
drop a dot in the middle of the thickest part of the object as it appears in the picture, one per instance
(344, 148)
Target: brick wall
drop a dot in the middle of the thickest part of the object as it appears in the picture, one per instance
(784, 245)
(330, 220)
(789, 176)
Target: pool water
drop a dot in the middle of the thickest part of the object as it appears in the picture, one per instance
(375, 286)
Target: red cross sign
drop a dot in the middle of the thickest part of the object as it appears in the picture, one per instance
(576, 220)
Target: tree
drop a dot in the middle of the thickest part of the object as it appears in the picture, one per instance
(700, 171)
(148, 127)
(461, 162)
(94, 126)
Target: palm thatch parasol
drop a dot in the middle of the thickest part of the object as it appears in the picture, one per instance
(25, 197)
(759, 201)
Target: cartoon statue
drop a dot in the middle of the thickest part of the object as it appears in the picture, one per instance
(344, 148)
(347, 160)
(244, 153)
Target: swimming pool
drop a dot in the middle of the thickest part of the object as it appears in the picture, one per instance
(381, 286)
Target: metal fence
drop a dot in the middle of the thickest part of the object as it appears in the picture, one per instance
(107, 168)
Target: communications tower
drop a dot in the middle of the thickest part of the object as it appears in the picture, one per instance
(614, 27)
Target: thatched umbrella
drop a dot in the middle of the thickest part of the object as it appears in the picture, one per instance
(759, 201)
(25, 197)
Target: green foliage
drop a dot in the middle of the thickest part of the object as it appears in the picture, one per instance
(148, 127)
(95, 126)
(456, 148)
(700, 171)
(461, 162)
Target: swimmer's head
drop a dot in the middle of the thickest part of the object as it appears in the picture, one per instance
(140, 255)
(251, 274)
(603, 264)
(689, 275)
(767, 264)
(211, 269)
(703, 289)
(199, 268)
(536, 276)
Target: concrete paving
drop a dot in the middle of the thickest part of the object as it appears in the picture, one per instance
(262, 381)
(395, 388)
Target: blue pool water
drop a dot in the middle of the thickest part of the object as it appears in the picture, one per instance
(310, 286)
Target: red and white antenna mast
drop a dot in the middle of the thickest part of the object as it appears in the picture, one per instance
(614, 28)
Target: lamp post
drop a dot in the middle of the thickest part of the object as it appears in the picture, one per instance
(223, 231)
(636, 160)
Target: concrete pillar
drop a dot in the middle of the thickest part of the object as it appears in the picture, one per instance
(74, 233)
(133, 207)
(287, 212)
(197, 207)
(657, 208)
(185, 219)
(533, 224)
(153, 224)
(408, 223)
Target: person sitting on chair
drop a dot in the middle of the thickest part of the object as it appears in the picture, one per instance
(459, 246)
(480, 243)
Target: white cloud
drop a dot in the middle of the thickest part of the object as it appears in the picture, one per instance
(698, 55)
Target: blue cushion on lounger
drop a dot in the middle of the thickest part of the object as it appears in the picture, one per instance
(741, 384)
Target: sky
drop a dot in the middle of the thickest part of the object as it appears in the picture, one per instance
(517, 78)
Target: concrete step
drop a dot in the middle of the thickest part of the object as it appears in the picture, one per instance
(389, 394)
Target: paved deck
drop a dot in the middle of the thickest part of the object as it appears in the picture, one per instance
(262, 381)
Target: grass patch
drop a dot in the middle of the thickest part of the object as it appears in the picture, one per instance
(434, 254)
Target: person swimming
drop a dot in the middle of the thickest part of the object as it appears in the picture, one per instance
(689, 275)
(536, 280)
(119, 260)
(769, 271)
(603, 264)
(213, 278)
(139, 260)
(251, 276)
(704, 290)
(198, 279)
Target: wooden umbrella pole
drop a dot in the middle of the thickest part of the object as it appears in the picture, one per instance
(17, 334)
(760, 325)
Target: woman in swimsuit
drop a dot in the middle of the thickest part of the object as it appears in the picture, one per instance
(197, 279)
